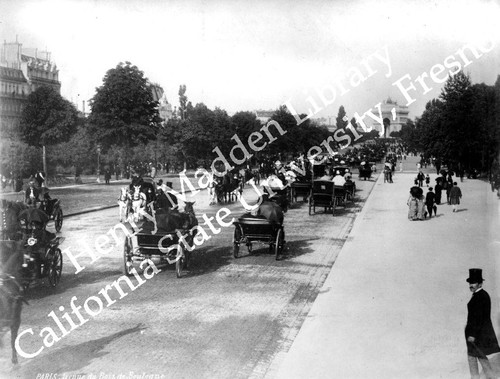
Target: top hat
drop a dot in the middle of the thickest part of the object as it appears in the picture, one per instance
(475, 275)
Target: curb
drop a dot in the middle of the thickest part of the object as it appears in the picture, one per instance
(90, 210)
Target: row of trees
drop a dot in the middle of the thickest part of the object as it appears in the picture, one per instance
(124, 128)
(461, 126)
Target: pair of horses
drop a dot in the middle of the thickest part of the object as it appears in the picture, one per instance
(131, 202)
(228, 188)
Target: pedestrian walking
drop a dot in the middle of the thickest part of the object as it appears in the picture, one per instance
(412, 206)
(480, 336)
(420, 177)
(427, 180)
(455, 196)
(447, 186)
(438, 190)
(430, 203)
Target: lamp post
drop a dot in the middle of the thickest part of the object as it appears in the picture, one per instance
(98, 162)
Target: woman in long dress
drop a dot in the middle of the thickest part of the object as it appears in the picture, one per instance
(412, 208)
(421, 207)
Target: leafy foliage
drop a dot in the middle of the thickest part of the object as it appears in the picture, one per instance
(47, 118)
(340, 123)
(460, 128)
(124, 112)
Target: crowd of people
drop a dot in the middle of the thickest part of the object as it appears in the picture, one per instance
(420, 207)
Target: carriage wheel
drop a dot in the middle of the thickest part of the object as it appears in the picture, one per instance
(236, 242)
(55, 268)
(180, 260)
(280, 242)
(58, 220)
(127, 257)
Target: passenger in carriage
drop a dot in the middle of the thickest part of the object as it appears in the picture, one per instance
(338, 180)
(279, 171)
(166, 199)
(32, 194)
(48, 202)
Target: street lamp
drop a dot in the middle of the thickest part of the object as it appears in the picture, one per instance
(98, 162)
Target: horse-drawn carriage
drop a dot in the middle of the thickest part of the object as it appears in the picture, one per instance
(166, 236)
(266, 226)
(325, 194)
(25, 229)
(163, 247)
(365, 171)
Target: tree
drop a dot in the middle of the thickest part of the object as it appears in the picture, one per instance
(47, 119)
(340, 122)
(182, 101)
(124, 112)
(456, 121)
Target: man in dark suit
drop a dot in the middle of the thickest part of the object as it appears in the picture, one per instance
(479, 332)
(32, 194)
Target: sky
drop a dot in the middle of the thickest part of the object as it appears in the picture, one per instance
(314, 55)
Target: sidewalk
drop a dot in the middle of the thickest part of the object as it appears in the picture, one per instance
(395, 302)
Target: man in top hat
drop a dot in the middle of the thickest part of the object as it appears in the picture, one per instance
(479, 333)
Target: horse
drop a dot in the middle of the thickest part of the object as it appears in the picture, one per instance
(169, 220)
(138, 200)
(11, 291)
(124, 204)
(212, 194)
(227, 188)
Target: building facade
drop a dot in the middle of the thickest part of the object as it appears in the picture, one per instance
(22, 71)
(263, 116)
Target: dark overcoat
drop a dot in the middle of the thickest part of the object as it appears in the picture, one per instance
(480, 327)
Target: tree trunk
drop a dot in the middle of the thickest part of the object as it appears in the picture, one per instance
(44, 160)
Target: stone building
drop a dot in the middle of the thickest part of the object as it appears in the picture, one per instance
(263, 116)
(393, 114)
(164, 108)
(21, 72)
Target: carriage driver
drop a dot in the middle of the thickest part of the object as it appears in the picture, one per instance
(31, 195)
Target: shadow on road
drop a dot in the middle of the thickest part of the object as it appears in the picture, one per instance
(73, 358)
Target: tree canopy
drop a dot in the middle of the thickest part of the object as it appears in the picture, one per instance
(124, 112)
(47, 118)
(460, 128)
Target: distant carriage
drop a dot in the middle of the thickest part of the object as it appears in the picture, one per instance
(326, 195)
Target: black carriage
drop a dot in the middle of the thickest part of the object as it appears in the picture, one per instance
(258, 229)
(300, 188)
(324, 194)
(365, 172)
(42, 257)
(160, 247)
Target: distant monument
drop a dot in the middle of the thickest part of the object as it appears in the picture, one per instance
(394, 117)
